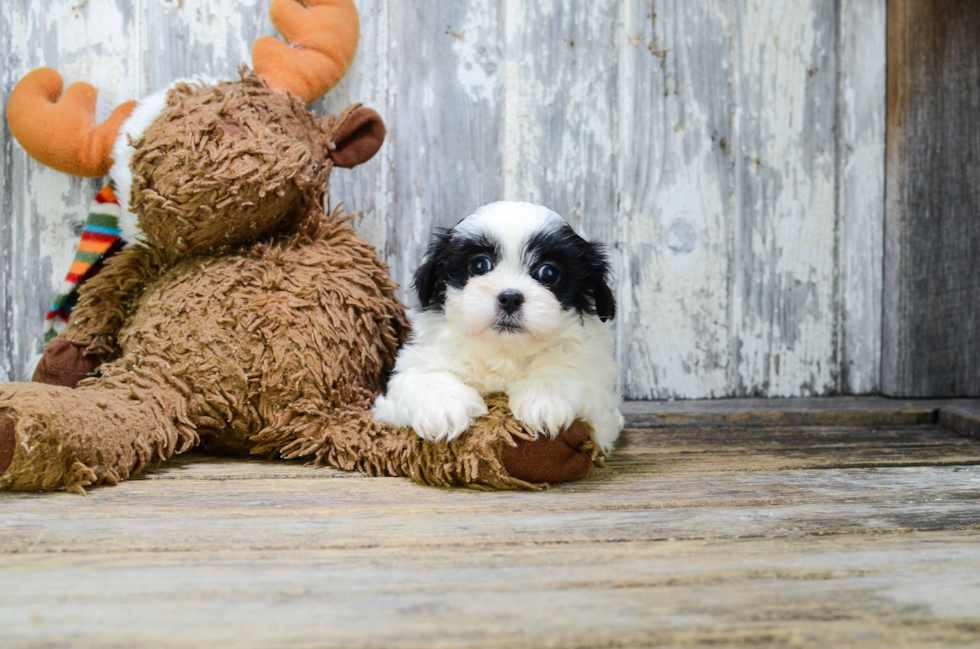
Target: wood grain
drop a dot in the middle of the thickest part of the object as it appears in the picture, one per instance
(783, 262)
(964, 419)
(860, 192)
(675, 200)
(674, 482)
(728, 153)
(816, 411)
(931, 336)
(365, 189)
(446, 160)
(561, 105)
(6, 203)
(692, 537)
(871, 591)
(43, 210)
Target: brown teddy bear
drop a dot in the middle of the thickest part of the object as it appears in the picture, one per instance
(247, 320)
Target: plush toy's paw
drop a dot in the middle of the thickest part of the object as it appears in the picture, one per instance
(7, 441)
(543, 411)
(64, 364)
(550, 460)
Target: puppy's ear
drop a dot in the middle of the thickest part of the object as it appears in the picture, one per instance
(430, 278)
(598, 282)
(605, 303)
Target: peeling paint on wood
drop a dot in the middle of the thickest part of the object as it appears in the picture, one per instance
(729, 154)
(860, 191)
(783, 265)
(43, 210)
(674, 199)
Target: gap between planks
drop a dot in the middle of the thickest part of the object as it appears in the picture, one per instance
(817, 411)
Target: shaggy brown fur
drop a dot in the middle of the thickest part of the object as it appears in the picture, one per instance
(249, 322)
(235, 144)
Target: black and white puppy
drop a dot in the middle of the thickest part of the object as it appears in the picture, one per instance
(513, 301)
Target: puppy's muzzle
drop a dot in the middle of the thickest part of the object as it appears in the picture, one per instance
(510, 301)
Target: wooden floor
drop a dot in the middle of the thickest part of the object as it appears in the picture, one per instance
(817, 535)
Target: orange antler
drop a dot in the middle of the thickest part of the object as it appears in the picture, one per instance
(60, 130)
(323, 35)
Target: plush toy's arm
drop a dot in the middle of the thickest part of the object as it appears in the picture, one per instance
(105, 301)
(103, 305)
(497, 452)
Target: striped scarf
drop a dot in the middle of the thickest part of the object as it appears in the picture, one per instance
(101, 239)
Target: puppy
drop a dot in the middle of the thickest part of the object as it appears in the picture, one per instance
(513, 301)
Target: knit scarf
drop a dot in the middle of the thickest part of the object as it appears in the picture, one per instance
(101, 239)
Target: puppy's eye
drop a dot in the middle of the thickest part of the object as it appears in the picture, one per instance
(480, 265)
(547, 274)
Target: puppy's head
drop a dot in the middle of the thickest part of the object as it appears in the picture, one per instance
(514, 273)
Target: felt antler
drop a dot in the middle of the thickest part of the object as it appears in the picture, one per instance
(60, 130)
(323, 37)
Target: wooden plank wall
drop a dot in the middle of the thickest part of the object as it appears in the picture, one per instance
(731, 154)
(931, 344)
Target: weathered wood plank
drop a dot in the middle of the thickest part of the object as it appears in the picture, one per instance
(814, 411)
(676, 449)
(671, 482)
(860, 190)
(931, 338)
(692, 537)
(612, 116)
(43, 210)
(189, 39)
(561, 110)
(892, 590)
(6, 197)
(445, 69)
(782, 274)
(964, 419)
(364, 189)
(667, 450)
(309, 514)
(674, 200)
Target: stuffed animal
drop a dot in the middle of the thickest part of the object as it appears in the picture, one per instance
(247, 319)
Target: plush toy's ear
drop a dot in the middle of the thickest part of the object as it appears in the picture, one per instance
(358, 134)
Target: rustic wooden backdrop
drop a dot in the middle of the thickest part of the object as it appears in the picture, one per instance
(731, 153)
(931, 304)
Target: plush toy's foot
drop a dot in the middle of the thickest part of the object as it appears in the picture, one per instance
(64, 364)
(550, 460)
(104, 431)
(7, 441)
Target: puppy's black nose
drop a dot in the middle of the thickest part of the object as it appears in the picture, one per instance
(510, 301)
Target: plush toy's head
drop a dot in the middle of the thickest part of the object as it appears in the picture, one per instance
(205, 164)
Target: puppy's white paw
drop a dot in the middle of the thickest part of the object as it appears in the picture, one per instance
(607, 425)
(436, 406)
(444, 415)
(543, 411)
